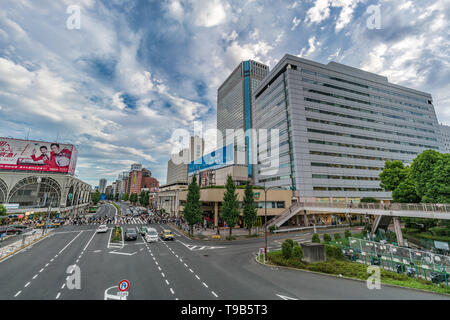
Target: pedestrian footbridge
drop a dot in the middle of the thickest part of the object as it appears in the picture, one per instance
(411, 210)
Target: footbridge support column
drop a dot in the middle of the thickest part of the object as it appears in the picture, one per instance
(398, 231)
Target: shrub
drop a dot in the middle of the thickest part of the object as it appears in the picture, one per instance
(347, 234)
(337, 236)
(286, 249)
(272, 228)
(297, 252)
(291, 242)
(315, 238)
(333, 252)
(326, 237)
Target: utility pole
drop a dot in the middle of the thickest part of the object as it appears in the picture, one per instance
(48, 216)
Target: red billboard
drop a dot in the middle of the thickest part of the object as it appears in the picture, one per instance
(26, 155)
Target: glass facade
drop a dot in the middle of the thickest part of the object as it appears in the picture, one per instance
(338, 125)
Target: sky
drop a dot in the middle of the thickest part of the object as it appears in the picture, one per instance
(134, 71)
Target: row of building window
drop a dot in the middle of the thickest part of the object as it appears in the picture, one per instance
(324, 176)
(353, 156)
(344, 166)
(334, 133)
(340, 115)
(343, 106)
(347, 189)
(355, 146)
(373, 89)
(275, 178)
(367, 102)
(338, 124)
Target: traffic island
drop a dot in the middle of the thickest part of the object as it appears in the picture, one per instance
(335, 266)
(12, 249)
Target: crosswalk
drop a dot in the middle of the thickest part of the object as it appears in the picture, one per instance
(131, 220)
(199, 248)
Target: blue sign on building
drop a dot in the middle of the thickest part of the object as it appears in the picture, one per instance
(103, 197)
(214, 160)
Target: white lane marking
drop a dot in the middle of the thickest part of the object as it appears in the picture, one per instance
(27, 284)
(163, 274)
(52, 260)
(35, 276)
(191, 270)
(205, 284)
(156, 262)
(186, 265)
(214, 294)
(69, 244)
(41, 270)
(89, 242)
(159, 268)
(171, 290)
(285, 297)
(197, 277)
(17, 293)
(57, 296)
(47, 265)
(167, 282)
(62, 287)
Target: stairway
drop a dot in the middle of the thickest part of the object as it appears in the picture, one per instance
(285, 215)
(381, 222)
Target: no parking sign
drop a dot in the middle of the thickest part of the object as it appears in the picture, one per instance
(124, 285)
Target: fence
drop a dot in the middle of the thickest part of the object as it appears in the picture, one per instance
(422, 264)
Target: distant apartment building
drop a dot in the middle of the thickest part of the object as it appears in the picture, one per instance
(445, 132)
(337, 127)
(234, 102)
(140, 178)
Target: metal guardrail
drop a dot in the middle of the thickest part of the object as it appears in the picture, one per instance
(427, 207)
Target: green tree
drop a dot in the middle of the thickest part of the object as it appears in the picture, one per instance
(230, 207)
(438, 187)
(192, 210)
(347, 234)
(134, 198)
(3, 210)
(125, 197)
(297, 252)
(326, 237)
(250, 211)
(393, 174)
(144, 198)
(422, 171)
(95, 197)
(405, 192)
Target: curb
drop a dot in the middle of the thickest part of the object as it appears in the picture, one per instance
(347, 278)
(21, 248)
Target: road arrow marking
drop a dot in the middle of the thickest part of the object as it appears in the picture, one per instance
(285, 297)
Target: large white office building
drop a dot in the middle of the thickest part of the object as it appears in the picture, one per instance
(338, 125)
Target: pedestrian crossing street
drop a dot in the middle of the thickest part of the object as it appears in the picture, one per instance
(131, 220)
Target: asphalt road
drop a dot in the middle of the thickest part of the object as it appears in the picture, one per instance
(183, 269)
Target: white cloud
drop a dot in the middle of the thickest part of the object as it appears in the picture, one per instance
(295, 23)
(209, 13)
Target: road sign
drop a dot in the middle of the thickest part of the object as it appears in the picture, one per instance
(124, 285)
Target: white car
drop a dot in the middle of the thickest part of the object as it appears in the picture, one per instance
(102, 228)
(151, 235)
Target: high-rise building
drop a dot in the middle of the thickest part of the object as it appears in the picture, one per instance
(177, 172)
(234, 102)
(102, 185)
(337, 127)
(445, 132)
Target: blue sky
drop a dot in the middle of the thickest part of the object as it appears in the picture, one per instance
(137, 70)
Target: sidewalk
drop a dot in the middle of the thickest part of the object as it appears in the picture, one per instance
(30, 238)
